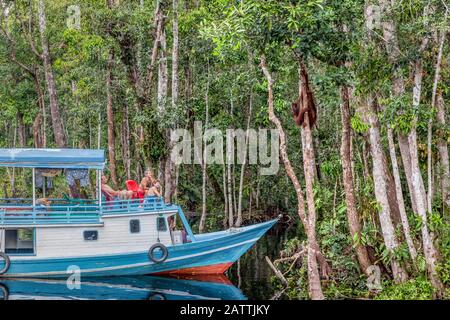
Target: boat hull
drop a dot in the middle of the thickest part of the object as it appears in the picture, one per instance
(211, 253)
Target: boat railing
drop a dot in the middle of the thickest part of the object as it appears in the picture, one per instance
(55, 214)
(81, 212)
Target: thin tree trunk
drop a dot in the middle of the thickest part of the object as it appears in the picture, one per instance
(415, 184)
(60, 137)
(443, 150)
(315, 288)
(163, 80)
(398, 87)
(437, 102)
(399, 191)
(241, 181)
(224, 176)
(126, 155)
(204, 160)
(99, 129)
(162, 76)
(20, 129)
(37, 138)
(175, 82)
(170, 166)
(346, 158)
(230, 197)
(418, 186)
(110, 120)
(258, 189)
(159, 25)
(41, 141)
(381, 189)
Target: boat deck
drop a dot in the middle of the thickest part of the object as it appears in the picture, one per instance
(76, 211)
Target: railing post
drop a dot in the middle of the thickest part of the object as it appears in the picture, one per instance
(34, 187)
(186, 224)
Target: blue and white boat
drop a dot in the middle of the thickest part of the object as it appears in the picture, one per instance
(100, 238)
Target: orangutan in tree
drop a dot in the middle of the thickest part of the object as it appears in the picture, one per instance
(305, 103)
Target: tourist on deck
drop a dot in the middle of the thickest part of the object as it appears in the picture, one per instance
(148, 181)
(110, 192)
(43, 204)
(154, 190)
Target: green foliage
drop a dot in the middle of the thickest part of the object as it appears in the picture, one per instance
(358, 125)
(414, 289)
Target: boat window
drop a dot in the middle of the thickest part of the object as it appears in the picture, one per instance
(161, 224)
(90, 235)
(135, 226)
(19, 241)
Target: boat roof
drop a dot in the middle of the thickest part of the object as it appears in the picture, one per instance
(53, 158)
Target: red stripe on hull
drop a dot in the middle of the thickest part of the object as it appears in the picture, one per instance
(204, 270)
(216, 278)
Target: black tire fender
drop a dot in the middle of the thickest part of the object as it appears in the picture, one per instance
(5, 257)
(151, 253)
(5, 292)
(156, 296)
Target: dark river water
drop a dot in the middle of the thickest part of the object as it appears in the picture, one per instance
(249, 278)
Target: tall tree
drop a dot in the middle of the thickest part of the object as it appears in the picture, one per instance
(57, 122)
(110, 107)
(315, 288)
(354, 223)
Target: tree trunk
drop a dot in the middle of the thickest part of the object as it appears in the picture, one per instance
(443, 150)
(21, 129)
(437, 101)
(170, 166)
(159, 25)
(346, 158)
(418, 186)
(40, 138)
(230, 197)
(315, 288)
(162, 76)
(110, 119)
(126, 153)
(175, 82)
(204, 160)
(224, 181)
(241, 181)
(399, 192)
(381, 190)
(415, 184)
(37, 124)
(398, 88)
(57, 122)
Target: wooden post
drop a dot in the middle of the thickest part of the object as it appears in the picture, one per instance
(44, 180)
(99, 188)
(34, 187)
(2, 240)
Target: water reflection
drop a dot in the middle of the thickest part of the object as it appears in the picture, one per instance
(252, 274)
(122, 288)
